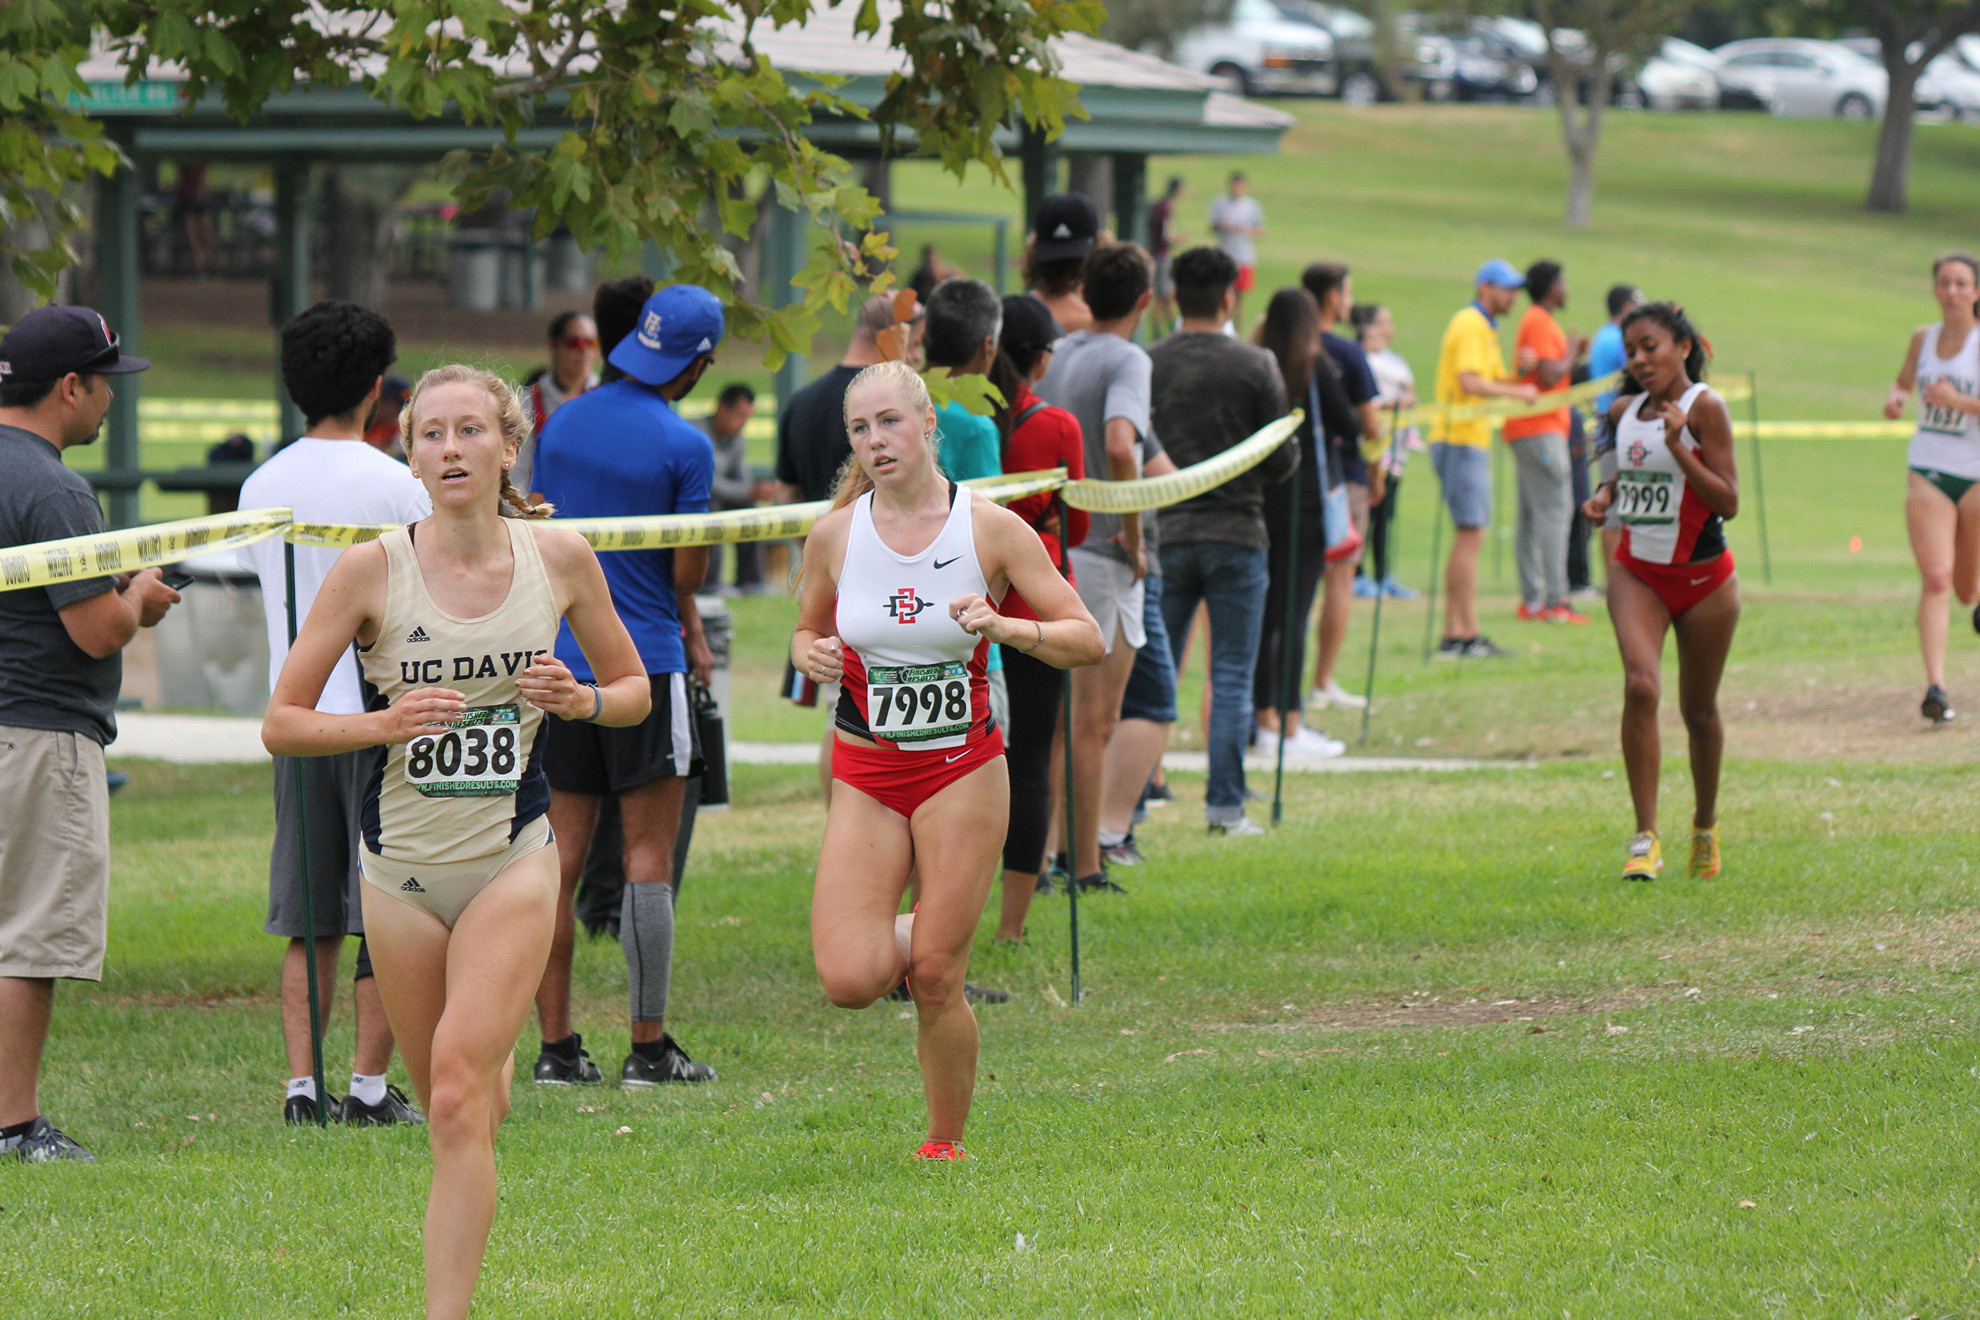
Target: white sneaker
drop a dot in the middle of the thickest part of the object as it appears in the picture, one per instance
(1267, 744)
(1244, 827)
(1312, 742)
(1334, 695)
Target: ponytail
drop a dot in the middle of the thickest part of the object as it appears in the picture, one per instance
(1670, 316)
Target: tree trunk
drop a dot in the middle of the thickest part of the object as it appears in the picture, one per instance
(1889, 179)
(1583, 137)
(360, 214)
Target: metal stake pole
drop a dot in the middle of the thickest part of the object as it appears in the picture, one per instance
(1436, 551)
(308, 891)
(1759, 486)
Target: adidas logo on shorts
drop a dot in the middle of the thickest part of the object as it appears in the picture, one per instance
(411, 887)
(418, 635)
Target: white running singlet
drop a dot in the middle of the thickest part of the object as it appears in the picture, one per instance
(913, 677)
(1947, 440)
(1663, 521)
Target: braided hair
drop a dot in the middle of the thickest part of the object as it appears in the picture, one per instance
(510, 417)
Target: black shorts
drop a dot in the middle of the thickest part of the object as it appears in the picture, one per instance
(581, 757)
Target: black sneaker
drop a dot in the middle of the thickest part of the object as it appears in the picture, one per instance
(300, 1111)
(44, 1143)
(554, 1069)
(1053, 878)
(900, 994)
(1937, 706)
(1159, 794)
(1976, 618)
(673, 1065)
(1098, 883)
(1452, 647)
(394, 1108)
(1481, 648)
(1124, 853)
(983, 994)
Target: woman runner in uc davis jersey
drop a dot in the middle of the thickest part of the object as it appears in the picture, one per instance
(455, 618)
(1675, 485)
(1941, 506)
(898, 597)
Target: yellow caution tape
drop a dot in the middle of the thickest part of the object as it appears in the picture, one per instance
(1175, 487)
(1506, 410)
(1828, 430)
(133, 548)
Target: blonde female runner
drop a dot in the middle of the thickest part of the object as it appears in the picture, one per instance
(455, 618)
(899, 605)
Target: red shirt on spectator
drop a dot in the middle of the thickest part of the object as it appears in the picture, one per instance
(1049, 438)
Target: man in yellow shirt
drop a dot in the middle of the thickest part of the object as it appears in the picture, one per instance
(1470, 369)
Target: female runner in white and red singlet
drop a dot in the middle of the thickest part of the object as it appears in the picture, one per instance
(1674, 488)
(899, 606)
(1941, 506)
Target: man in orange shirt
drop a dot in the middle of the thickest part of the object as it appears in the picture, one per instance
(1545, 355)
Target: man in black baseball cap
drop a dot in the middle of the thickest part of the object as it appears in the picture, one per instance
(61, 671)
(1065, 230)
(47, 347)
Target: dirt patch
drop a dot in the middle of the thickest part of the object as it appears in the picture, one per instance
(1837, 719)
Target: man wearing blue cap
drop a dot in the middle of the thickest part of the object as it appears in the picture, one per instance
(616, 451)
(1470, 369)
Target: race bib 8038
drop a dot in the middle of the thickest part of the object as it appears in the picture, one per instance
(915, 703)
(481, 756)
(1645, 499)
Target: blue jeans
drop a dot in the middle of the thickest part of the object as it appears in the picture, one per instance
(1231, 580)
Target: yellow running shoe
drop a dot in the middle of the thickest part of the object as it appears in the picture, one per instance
(1646, 858)
(1705, 854)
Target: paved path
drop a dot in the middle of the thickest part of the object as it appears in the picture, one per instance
(219, 739)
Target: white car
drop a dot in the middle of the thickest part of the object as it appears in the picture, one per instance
(1259, 49)
(1680, 76)
(1954, 73)
(1819, 77)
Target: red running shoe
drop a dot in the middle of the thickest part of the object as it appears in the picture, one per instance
(941, 1150)
(1562, 614)
(1530, 615)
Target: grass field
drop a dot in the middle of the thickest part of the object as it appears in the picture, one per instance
(1420, 1053)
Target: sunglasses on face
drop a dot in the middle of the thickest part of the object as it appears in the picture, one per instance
(578, 345)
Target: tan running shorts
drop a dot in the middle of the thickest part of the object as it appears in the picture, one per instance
(54, 855)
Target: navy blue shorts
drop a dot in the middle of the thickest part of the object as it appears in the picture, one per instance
(1151, 688)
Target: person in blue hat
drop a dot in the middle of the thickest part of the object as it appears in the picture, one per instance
(1471, 368)
(616, 451)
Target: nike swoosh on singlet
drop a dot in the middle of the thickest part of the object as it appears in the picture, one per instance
(944, 563)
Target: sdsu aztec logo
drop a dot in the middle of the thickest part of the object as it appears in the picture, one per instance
(904, 605)
(1637, 453)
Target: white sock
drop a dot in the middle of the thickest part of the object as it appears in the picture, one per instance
(1108, 839)
(303, 1086)
(368, 1090)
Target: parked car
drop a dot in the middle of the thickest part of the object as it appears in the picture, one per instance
(1258, 49)
(1427, 61)
(1679, 76)
(1820, 77)
(1957, 81)
(1670, 80)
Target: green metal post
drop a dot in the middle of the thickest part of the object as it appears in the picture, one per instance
(289, 288)
(1381, 591)
(118, 221)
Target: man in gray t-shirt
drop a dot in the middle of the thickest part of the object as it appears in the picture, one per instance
(1239, 222)
(1102, 379)
(60, 672)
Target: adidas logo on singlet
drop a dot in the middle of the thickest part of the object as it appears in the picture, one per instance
(418, 635)
(411, 887)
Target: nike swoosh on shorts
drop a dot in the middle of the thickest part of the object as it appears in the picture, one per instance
(951, 760)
